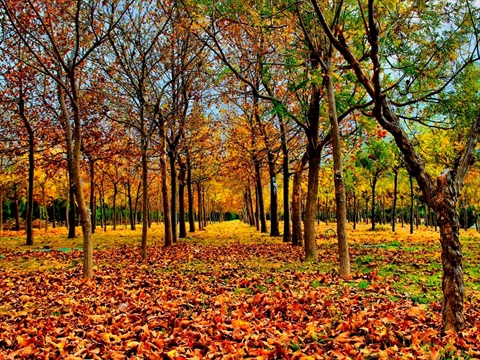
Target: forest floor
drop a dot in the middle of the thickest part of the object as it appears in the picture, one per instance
(232, 292)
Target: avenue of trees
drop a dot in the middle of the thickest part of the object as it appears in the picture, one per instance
(125, 112)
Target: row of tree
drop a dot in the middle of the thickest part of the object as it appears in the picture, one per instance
(173, 93)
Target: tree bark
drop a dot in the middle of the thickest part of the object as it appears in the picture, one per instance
(130, 206)
(274, 224)
(181, 202)
(114, 206)
(286, 182)
(163, 167)
(144, 148)
(341, 208)
(93, 207)
(297, 234)
(312, 192)
(31, 168)
(314, 154)
(261, 206)
(452, 282)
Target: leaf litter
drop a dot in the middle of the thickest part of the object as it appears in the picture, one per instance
(240, 300)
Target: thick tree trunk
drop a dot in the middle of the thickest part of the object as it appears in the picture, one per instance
(191, 212)
(297, 234)
(452, 282)
(340, 200)
(394, 207)
(261, 205)
(312, 192)
(274, 224)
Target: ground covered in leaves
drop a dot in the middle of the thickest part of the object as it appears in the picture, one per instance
(230, 292)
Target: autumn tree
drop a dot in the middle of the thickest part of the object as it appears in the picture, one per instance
(421, 75)
(62, 54)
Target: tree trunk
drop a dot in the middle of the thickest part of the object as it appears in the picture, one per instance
(173, 204)
(77, 179)
(297, 234)
(31, 169)
(452, 282)
(261, 206)
(93, 207)
(181, 203)
(191, 216)
(250, 207)
(204, 209)
(341, 208)
(130, 206)
(309, 222)
(286, 182)
(144, 147)
(274, 225)
(114, 209)
(163, 167)
(394, 207)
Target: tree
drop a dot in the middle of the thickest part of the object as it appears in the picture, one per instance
(60, 53)
(434, 62)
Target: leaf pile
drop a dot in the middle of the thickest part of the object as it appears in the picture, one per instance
(236, 301)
